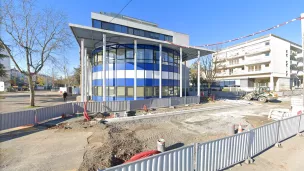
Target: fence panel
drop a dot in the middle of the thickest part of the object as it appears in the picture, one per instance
(301, 128)
(163, 102)
(288, 127)
(263, 137)
(53, 111)
(222, 153)
(138, 104)
(78, 107)
(192, 100)
(175, 101)
(15, 119)
(175, 160)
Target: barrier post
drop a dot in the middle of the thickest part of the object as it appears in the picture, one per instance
(250, 140)
(299, 126)
(278, 144)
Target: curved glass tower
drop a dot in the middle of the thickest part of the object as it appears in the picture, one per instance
(120, 72)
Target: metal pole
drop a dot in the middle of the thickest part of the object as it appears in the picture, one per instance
(302, 26)
(160, 71)
(85, 74)
(198, 74)
(82, 68)
(135, 69)
(180, 72)
(104, 41)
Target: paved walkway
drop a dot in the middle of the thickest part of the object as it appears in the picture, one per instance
(288, 158)
(17, 101)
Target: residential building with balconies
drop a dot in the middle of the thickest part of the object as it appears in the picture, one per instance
(265, 61)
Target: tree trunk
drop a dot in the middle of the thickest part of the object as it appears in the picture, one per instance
(32, 91)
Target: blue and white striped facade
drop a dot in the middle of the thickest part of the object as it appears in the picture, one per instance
(120, 72)
(124, 58)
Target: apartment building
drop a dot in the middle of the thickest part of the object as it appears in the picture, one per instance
(5, 80)
(265, 61)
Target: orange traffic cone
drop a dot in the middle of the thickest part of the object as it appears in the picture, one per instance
(240, 129)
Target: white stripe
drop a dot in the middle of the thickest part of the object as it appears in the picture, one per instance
(164, 75)
(171, 75)
(176, 76)
(140, 74)
(156, 74)
(148, 74)
(120, 74)
(130, 74)
(95, 76)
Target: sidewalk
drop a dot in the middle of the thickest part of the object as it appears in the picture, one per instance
(288, 158)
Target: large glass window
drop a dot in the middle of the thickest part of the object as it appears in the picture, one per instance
(99, 58)
(121, 91)
(161, 37)
(108, 26)
(117, 28)
(124, 29)
(96, 59)
(140, 55)
(149, 55)
(130, 31)
(136, 32)
(120, 54)
(96, 23)
(148, 91)
(111, 91)
(156, 92)
(95, 91)
(99, 91)
(140, 92)
(165, 58)
(156, 56)
(165, 91)
(112, 56)
(130, 91)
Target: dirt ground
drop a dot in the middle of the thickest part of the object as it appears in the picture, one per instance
(80, 145)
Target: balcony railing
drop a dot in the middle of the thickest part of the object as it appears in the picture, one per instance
(258, 50)
(256, 61)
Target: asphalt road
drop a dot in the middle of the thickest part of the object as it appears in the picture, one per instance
(16, 101)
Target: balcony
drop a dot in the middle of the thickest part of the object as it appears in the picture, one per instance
(300, 64)
(257, 60)
(258, 49)
(294, 72)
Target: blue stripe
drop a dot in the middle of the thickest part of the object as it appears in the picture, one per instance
(129, 82)
(140, 66)
(149, 82)
(129, 66)
(165, 68)
(97, 68)
(97, 82)
(140, 82)
(120, 66)
(155, 82)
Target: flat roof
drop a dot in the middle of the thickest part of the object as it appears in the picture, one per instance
(92, 36)
(261, 37)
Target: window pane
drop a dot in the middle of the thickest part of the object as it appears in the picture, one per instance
(95, 91)
(140, 54)
(142, 33)
(161, 37)
(96, 59)
(117, 28)
(130, 31)
(129, 54)
(156, 92)
(148, 91)
(112, 56)
(148, 54)
(140, 92)
(111, 91)
(121, 91)
(96, 23)
(120, 54)
(124, 29)
(171, 91)
(99, 91)
(99, 58)
(130, 91)
(165, 91)
(136, 32)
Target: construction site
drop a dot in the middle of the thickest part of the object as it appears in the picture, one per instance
(76, 144)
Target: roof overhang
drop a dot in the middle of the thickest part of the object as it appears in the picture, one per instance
(93, 38)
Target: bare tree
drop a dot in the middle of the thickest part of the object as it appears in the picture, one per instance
(38, 34)
(211, 66)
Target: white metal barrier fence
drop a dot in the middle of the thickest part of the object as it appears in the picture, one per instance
(221, 153)
(180, 159)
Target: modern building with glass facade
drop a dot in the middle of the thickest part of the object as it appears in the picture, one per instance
(123, 58)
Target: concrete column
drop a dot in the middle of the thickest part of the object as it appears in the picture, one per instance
(180, 72)
(160, 71)
(198, 74)
(82, 69)
(302, 28)
(85, 74)
(135, 69)
(271, 86)
(185, 87)
(104, 53)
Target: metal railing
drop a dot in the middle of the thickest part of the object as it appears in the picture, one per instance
(34, 116)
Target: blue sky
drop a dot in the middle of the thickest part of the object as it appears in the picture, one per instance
(205, 21)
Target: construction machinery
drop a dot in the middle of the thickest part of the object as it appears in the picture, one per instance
(262, 94)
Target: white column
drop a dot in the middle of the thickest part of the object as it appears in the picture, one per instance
(160, 71)
(302, 26)
(180, 72)
(135, 69)
(198, 74)
(271, 86)
(85, 74)
(104, 41)
(89, 78)
(82, 68)
(185, 77)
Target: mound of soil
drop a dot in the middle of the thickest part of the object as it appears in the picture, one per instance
(110, 147)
